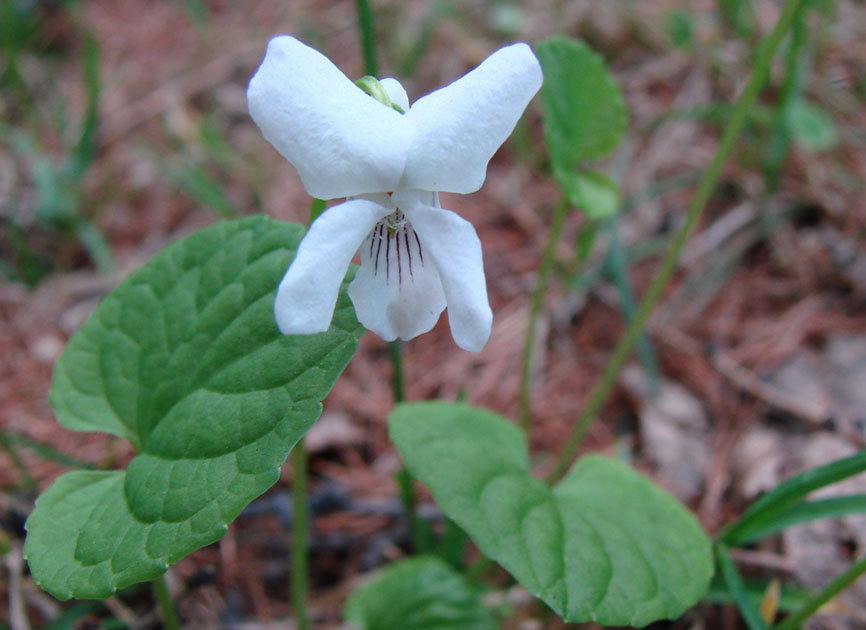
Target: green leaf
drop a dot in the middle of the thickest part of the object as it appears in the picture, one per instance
(810, 127)
(605, 544)
(680, 28)
(185, 361)
(422, 593)
(596, 194)
(584, 113)
(788, 493)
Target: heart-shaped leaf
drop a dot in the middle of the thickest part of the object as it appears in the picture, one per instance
(421, 593)
(605, 544)
(584, 113)
(185, 361)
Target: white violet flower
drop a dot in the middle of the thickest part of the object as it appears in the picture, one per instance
(416, 257)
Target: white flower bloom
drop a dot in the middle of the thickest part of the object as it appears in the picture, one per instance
(416, 257)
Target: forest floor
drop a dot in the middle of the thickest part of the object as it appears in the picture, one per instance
(758, 349)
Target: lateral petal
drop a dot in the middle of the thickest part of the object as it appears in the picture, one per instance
(342, 141)
(308, 292)
(457, 129)
(452, 244)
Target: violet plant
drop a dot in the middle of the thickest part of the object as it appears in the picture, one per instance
(212, 359)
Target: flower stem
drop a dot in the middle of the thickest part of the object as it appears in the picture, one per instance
(623, 348)
(368, 38)
(795, 620)
(404, 479)
(166, 607)
(524, 401)
(396, 371)
(300, 523)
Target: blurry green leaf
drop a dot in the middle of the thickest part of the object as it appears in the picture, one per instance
(185, 361)
(739, 15)
(605, 544)
(94, 242)
(507, 18)
(763, 512)
(73, 618)
(85, 149)
(422, 593)
(679, 25)
(596, 194)
(584, 113)
(810, 127)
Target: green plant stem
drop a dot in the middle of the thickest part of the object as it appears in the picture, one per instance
(792, 86)
(317, 207)
(166, 606)
(524, 402)
(705, 189)
(404, 479)
(396, 371)
(795, 620)
(368, 38)
(300, 523)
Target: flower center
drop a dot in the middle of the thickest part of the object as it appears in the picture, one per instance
(394, 245)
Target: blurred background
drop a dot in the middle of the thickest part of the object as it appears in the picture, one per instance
(124, 126)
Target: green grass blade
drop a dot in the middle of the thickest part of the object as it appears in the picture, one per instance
(790, 599)
(85, 148)
(617, 269)
(830, 591)
(803, 513)
(789, 492)
(738, 590)
(18, 441)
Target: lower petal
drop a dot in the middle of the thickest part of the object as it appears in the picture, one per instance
(308, 292)
(396, 291)
(453, 246)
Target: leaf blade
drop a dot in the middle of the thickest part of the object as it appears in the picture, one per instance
(584, 112)
(790, 492)
(560, 544)
(185, 360)
(421, 593)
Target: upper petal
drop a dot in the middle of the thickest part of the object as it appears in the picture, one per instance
(452, 244)
(456, 130)
(308, 292)
(342, 141)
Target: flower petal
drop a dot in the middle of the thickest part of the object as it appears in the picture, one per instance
(396, 92)
(342, 141)
(456, 130)
(454, 247)
(308, 292)
(396, 291)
